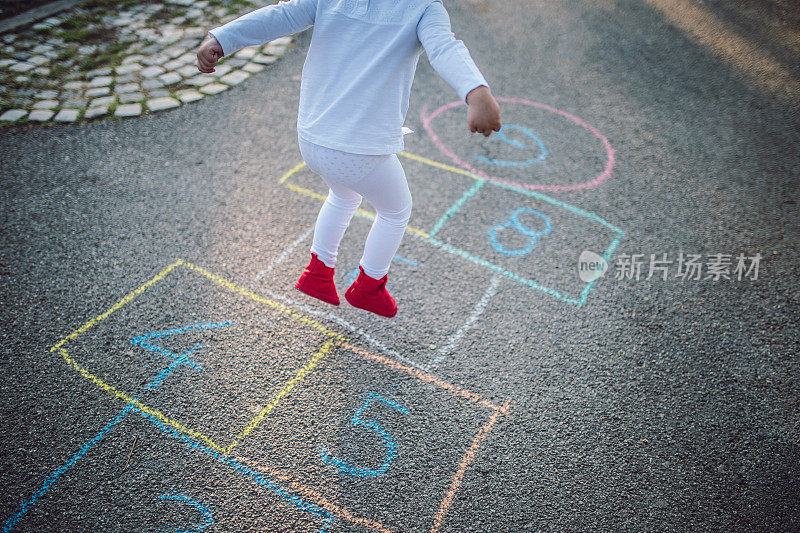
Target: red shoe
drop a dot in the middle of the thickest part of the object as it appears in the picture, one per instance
(317, 281)
(370, 294)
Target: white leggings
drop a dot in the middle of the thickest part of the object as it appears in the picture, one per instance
(378, 178)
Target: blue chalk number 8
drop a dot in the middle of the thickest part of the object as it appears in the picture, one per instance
(533, 236)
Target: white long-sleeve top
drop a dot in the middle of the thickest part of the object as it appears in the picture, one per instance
(357, 75)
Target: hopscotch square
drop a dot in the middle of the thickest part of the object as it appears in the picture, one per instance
(314, 445)
(526, 236)
(418, 271)
(242, 370)
(441, 286)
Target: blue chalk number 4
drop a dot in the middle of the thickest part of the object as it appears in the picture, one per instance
(390, 448)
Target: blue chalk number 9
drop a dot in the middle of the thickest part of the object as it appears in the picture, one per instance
(516, 144)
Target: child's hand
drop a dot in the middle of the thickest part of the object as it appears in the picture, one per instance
(483, 114)
(208, 54)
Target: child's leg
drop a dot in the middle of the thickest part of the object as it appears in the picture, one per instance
(387, 190)
(332, 221)
(339, 170)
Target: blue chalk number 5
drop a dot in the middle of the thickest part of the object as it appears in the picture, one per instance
(390, 448)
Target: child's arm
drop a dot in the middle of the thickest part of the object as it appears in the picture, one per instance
(257, 27)
(451, 60)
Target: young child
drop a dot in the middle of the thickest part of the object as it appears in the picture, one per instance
(353, 101)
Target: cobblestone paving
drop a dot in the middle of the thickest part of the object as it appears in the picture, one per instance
(101, 60)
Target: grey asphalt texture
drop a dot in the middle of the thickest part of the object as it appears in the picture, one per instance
(658, 405)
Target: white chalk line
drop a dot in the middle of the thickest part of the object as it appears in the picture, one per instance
(281, 258)
(480, 307)
(347, 325)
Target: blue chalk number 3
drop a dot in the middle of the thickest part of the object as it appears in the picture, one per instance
(390, 448)
(208, 516)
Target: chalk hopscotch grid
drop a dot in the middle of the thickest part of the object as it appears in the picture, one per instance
(471, 192)
(198, 442)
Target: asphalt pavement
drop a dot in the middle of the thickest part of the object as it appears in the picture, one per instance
(160, 372)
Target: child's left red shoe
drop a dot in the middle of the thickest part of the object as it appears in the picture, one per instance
(371, 295)
(317, 281)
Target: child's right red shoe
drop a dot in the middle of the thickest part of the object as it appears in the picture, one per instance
(371, 295)
(317, 281)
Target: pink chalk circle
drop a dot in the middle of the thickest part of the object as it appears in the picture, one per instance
(603, 176)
